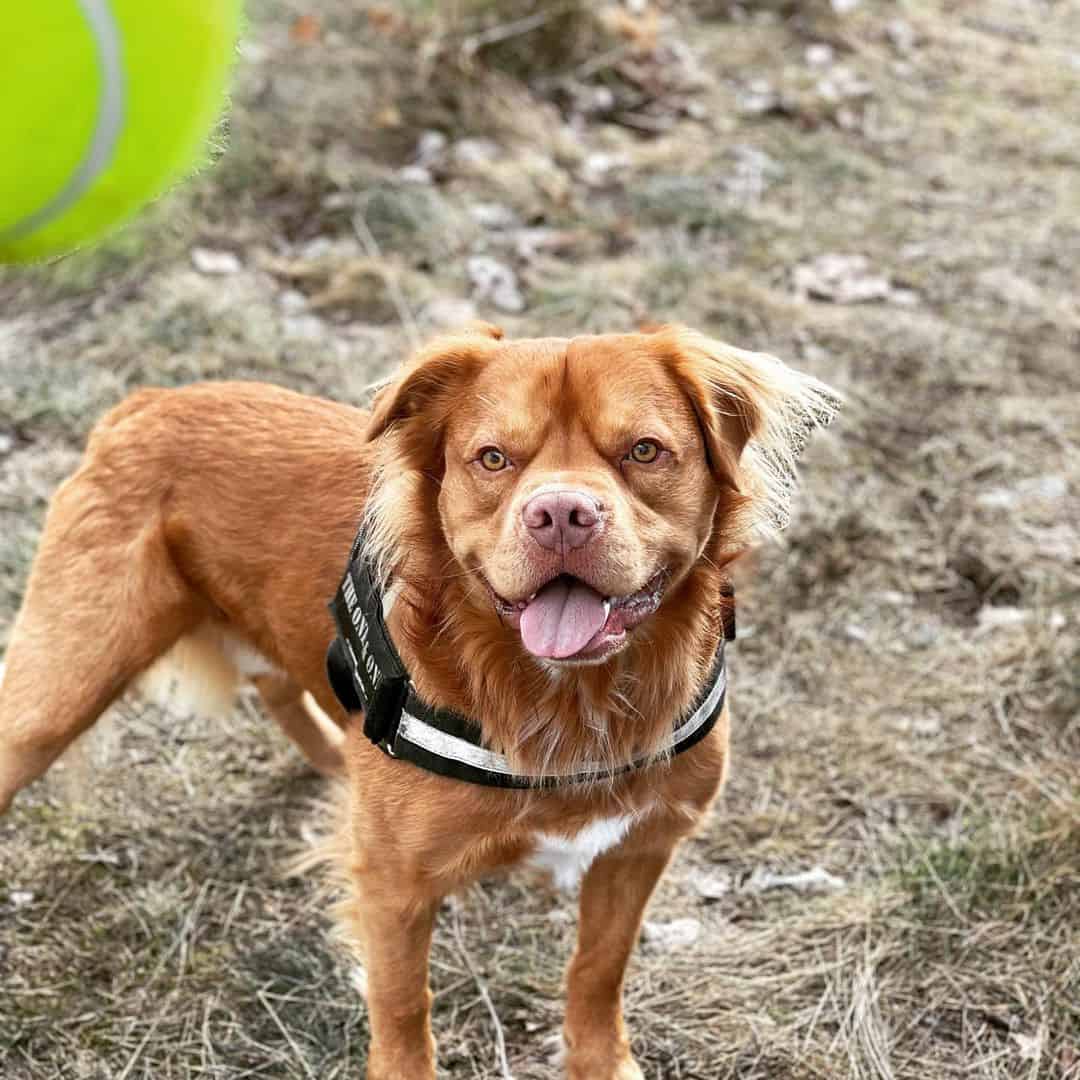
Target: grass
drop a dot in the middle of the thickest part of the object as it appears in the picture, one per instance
(905, 685)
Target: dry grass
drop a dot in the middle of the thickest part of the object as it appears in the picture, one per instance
(906, 681)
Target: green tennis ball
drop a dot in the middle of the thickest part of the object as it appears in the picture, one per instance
(103, 105)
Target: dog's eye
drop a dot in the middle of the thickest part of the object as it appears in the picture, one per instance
(493, 460)
(644, 452)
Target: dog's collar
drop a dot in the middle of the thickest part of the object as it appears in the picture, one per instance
(367, 674)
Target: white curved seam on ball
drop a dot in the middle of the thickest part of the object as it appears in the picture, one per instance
(107, 128)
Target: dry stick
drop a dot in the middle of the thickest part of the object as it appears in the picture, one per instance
(373, 251)
(500, 1038)
(288, 1035)
(516, 28)
(126, 1072)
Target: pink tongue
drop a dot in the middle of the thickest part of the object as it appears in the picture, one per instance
(562, 619)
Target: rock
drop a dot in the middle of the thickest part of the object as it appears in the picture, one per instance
(709, 886)
(495, 283)
(842, 279)
(415, 174)
(677, 934)
(994, 617)
(600, 169)
(997, 499)
(843, 84)
(1048, 487)
(819, 54)
(303, 328)
(21, 897)
(292, 301)
(448, 311)
(842, 7)
(430, 148)
(490, 215)
(211, 261)
(1009, 288)
(752, 173)
(474, 152)
(901, 35)
(817, 879)
(757, 97)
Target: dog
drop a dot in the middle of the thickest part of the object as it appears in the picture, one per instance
(535, 537)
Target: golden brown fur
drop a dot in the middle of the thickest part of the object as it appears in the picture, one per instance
(226, 511)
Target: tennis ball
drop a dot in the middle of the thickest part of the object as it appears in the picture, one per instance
(105, 104)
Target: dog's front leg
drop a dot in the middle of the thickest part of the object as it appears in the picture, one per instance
(613, 898)
(396, 924)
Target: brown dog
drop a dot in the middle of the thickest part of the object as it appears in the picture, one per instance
(552, 518)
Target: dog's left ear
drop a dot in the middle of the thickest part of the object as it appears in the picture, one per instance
(755, 413)
(427, 383)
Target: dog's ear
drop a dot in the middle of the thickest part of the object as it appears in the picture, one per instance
(426, 384)
(755, 413)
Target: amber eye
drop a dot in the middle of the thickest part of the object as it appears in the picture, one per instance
(645, 451)
(493, 460)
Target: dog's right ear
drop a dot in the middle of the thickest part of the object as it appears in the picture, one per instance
(428, 383)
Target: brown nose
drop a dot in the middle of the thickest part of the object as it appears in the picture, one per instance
(562, 520)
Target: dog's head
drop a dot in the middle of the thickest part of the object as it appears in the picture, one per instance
(579, 481)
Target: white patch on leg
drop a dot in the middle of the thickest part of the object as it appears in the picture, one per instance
(567, 858)
(327, 728)
(247, 660)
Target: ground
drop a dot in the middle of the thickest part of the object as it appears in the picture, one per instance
(885, 194)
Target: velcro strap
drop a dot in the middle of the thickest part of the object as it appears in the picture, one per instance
(377, 674)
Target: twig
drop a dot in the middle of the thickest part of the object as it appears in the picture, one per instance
(373, 251)
(126, 1072)
(515, 28)
(288, 1036)
(466, 959)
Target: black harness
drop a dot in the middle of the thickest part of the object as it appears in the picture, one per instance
(367, 674)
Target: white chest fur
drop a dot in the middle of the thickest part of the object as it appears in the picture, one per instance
(568, 857)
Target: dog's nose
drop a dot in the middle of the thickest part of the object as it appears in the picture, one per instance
(562, 520)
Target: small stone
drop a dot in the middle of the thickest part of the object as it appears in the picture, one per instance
(601, 168)
(992, 618)
(709, 886)
(474, 152)
(677, 934)
(210, 261)
(817, 879)
(757, 97)
(842, 7)
(996, 499)
(7, 443)
(430, 148)
(495, 283)
(489, 215)
(448, 311)
(415, 174)
(21, 897)
(304, 327)
(819, 54)
(841, 278)
(1050, 488)
(926, 726)
(1004, 285)
(292, 301)
(900, 35)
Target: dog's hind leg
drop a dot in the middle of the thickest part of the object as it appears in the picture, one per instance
(316, 734)
(104, 600)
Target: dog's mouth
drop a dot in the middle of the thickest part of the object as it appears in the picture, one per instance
(566, 619)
